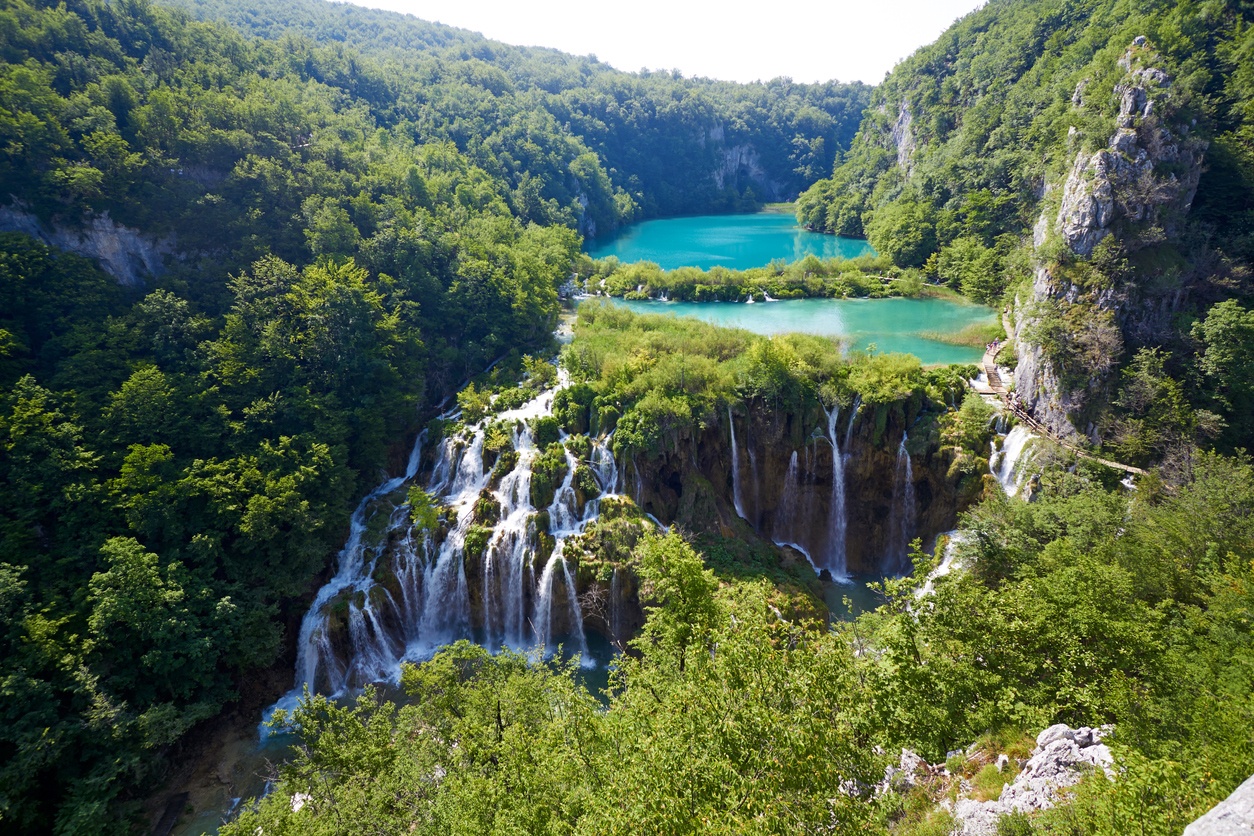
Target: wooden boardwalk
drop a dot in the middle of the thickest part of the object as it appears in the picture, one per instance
(997, 388)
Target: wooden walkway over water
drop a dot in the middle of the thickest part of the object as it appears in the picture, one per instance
(997, 389)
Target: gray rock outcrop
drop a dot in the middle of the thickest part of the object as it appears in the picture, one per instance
(1139, 186)
(1062, 757)
(903, 136)
(1234, 816)
(127, 254)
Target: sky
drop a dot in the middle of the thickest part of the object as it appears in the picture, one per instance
(807, 40)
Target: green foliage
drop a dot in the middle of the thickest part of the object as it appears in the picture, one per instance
(548, 470)
(576, 140)
(756, 724)
(545, 431)
(885, 378)
(811, 277)
(1091, 607)
(902, 231)
(1227, 364)
(965, 263)
(423, 508)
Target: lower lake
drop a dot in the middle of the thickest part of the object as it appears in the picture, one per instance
(738, 242)
(892, 325)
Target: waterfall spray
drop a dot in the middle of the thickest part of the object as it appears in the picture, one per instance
(735, 457)
(837, 521)
(902, 520)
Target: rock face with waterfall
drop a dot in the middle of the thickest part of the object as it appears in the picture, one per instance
(492, 570)
(502, 561)
(847, 487)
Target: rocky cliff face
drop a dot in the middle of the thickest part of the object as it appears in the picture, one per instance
(903, 136)
(693, 486)
(740, 165)
(1139, 188)
(127, 254)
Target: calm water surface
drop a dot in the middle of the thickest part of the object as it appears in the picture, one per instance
(738, 242)
(889, 324)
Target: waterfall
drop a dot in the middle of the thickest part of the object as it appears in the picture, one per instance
(753, 476)
(902, 519)
(853, 416)
(313, 647)
(787, 520)
(837, 521)
(359, 630)
(1007, 463)
(949, 562)
(735, 456)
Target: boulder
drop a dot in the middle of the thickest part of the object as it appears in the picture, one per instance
(1062, 757)
(1234, 816)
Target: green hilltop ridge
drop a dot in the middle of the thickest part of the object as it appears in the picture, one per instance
(1088, 165)
(252, 252)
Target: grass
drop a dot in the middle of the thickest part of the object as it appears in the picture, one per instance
(778, 208)
(975, 335)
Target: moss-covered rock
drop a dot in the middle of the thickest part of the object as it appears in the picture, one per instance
(547, 472)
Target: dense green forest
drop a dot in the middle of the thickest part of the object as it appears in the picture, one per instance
(347, 238)
(674, 145)
(355, 213)
(982, 162)
(730, 719)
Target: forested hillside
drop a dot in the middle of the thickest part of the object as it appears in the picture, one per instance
(178, 459)
(675, 145)
(1087, 164)
(310, 226)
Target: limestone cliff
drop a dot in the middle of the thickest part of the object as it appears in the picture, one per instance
(693, 485)
(1138, 188)
(128, 255)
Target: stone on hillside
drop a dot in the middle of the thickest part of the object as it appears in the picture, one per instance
(902, 777)
(1060, 731)
(1234, 816)
(1062, 757)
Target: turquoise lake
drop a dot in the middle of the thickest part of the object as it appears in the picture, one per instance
(737, 242)
(889, 324)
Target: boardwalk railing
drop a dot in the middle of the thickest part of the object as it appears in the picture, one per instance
(993, 376)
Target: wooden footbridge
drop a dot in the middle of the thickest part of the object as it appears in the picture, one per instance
(996, 388)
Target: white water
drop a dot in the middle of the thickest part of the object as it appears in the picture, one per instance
(380, 630)
(786, 518)
(735, 456)
(902, 521)
(837, 521)
(948, 563)
(1009, 463)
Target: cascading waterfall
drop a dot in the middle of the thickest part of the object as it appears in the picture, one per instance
(1007, 464)
(313, 647)
(904, 512)
(735, 456)
(360, 628)
(786, 521)
(853, 417)
(837, 521)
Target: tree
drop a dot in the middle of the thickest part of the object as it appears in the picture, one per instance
(1227, 363)
(903, 231)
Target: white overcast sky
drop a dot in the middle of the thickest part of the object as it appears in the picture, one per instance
(808, 40)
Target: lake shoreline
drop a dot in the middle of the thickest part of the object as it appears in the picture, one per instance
(934, 330)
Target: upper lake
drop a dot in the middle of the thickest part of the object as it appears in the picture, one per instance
(738, 242)
(904, 325)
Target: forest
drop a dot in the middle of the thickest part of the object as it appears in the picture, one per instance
(343, 222)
